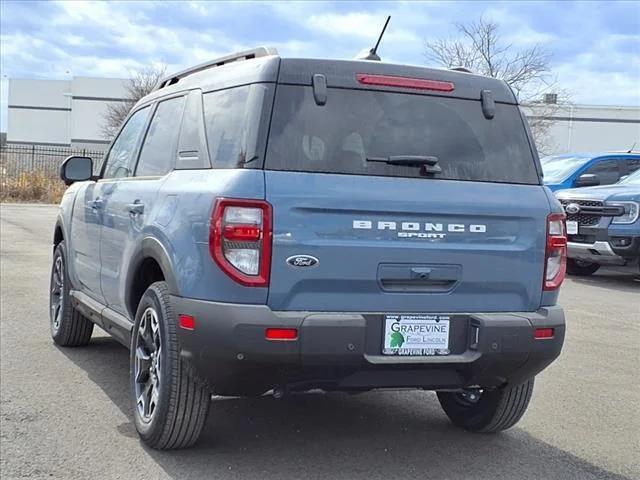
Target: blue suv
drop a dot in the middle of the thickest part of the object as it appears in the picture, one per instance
(269, 224)
(573, 170)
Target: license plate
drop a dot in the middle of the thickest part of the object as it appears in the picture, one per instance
(572, 228)
(416, 334)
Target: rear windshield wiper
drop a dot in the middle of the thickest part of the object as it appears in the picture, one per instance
(429, 164)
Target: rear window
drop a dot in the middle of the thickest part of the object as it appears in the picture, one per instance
(358, 124)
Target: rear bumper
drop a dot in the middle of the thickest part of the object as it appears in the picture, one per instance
(342, 351)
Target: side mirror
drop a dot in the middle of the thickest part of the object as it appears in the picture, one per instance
(588, 180)
(76, 169)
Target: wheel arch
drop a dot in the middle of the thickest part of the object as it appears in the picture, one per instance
(58, 233)
(151, 264)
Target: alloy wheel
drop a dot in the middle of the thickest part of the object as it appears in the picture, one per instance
(56, 297)
(148, 365)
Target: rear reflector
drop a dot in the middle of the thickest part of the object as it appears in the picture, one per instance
(404, 82)
(187, 322)
(542, 333)
(281, 334)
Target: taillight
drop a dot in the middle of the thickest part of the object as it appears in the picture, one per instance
(556, 252)
(404, 82)
(240, 240)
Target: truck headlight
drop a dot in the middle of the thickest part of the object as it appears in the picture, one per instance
(630, 214)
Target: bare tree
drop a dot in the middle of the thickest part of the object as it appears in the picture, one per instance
(140, 84)
(480, 48)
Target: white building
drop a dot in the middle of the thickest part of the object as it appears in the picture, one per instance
(589, 128)
(70, 113)
(60, 112)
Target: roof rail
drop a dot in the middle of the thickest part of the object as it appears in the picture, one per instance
(234, 57)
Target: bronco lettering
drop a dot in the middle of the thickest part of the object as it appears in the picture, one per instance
(406, 227)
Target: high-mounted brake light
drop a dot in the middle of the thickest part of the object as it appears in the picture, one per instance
(555, 264)
(240, 238)
(404, 82)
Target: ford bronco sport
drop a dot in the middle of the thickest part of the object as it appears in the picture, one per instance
(262, 223)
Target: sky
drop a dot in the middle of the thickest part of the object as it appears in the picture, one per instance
(594, 46)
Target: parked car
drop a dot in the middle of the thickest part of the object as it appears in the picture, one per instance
(574, 170)
(262, 223)
(603, 226)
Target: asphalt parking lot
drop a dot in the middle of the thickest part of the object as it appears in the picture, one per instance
(65, 413)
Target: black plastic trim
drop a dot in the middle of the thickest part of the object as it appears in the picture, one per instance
(342, 350)
(118, 326)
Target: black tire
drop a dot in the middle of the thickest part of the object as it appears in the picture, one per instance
(170, 404)
(69, 328)
(489, 411)
(581, 268)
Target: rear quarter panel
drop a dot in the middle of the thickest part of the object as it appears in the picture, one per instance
(181, 225)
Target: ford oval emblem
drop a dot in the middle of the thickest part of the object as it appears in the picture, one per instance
(302, 261)
(572, 208)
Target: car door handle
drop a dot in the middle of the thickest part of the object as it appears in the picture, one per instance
(95, 204)
(136, 208)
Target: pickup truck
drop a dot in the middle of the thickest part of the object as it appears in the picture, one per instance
(603, 226)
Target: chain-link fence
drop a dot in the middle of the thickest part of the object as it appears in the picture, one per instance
(31, 172)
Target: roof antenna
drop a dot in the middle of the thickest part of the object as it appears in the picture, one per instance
(631, 149)
(370, 54)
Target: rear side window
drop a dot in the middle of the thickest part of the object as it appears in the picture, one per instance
(224, 117)
(236, 121)
(158, 153)
(358, 124)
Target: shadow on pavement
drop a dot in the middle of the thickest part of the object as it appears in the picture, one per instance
(611, 279)
(377, 435)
